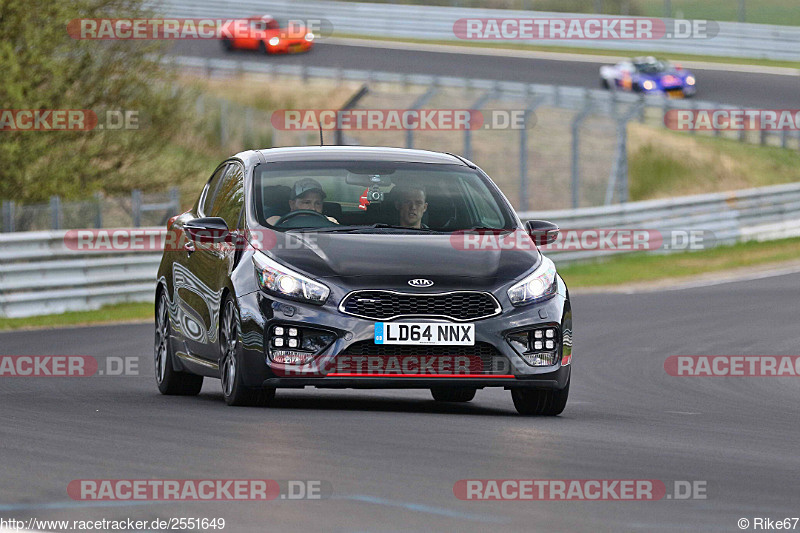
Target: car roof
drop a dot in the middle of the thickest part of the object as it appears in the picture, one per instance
(360, 153)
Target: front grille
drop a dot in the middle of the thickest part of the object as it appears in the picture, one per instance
(386, 305)
(492, 360)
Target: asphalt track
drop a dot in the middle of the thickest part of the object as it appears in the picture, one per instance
(392, 457)
(749, 89)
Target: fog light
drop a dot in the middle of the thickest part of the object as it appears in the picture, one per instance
(537, 346)
(540, 359)
(288, 357)
(298, 341)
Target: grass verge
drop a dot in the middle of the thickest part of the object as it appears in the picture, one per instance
(665, 164)
(642, 267)
(123, 312)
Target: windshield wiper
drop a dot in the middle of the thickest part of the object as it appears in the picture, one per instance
(484, 228)
(381, 225)
(348, 229)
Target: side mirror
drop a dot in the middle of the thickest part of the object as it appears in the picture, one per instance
(208, 229)
(542, 232)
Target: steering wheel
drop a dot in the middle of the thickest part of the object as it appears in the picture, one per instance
(302, 212)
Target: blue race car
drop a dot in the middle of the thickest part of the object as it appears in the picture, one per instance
(650, 76)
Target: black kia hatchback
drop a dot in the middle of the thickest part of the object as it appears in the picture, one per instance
(360, 267)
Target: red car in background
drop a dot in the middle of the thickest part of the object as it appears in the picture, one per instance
(267, 35)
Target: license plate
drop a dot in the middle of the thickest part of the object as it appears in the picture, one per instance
(675, 94)
(424, 333)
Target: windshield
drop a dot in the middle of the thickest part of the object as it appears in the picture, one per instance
(653, 66)
(376, 197)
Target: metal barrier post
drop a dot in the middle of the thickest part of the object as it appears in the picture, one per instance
(477, 104)
(175, 199)
(523, 153)
(618, 179)
(8, 216)
(55, 212)
(576, 171)
(136, 207)
(418, 103)
(98, 210)
(350, 104)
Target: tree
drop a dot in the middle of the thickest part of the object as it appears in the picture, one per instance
(43, 68)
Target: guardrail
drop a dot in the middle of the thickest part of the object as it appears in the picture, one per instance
(764, 213)
(760, 41)
(39, 274)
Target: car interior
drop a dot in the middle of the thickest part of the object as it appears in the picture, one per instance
(443, 214)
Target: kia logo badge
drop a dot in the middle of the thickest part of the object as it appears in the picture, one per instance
(420, 282)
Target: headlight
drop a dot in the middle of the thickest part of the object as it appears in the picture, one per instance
(279, 280)
(309, 36)
(539, 285)
(648, 85)
(274, 41)
(690, 80)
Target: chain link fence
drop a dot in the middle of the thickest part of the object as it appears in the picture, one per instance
(137, 210)
(573, 150)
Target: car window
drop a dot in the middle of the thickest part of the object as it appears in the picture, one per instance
(229, 197)
(368, 193)
(207, 197)
(490, 215)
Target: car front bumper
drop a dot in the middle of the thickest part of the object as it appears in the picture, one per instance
(259, 312)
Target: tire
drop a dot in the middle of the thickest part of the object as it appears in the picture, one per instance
(233, 389)
(453, 395)
(262, 48)
(533, 402)
(227, 45)
(604, 84)
(170, 381)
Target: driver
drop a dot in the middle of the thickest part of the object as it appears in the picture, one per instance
(411, 205)
(307, 194)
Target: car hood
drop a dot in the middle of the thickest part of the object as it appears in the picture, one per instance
(391, 260)
(680, 74)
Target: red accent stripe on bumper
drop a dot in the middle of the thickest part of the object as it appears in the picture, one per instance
(357, 375)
